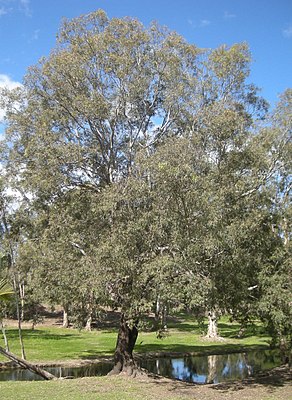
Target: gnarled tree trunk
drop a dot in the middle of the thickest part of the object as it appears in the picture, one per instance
(123, 358)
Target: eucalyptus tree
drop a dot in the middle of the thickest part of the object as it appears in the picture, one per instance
(125, 233)
(108, 88)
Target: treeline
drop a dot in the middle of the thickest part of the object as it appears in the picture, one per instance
(143, 173)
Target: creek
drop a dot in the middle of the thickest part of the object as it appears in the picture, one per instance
(199, 369)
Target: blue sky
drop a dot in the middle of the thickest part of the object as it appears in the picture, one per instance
(28, 29)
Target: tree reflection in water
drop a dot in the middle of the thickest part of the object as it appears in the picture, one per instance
(214, 368)
(199, 369)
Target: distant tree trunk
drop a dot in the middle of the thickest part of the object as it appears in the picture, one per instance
(17, 290)
(88, 323)
(123, 358)
(21, 299)
(18, 312)
(89, 317)
(25, 364)
(4, 336)
(212, 325)
(157, 311)
(160, 316)
(65, 316)
(20, 335)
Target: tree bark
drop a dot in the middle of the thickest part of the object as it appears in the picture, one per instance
(88, 323)
(65, 316)
(89, 317)
(4, 336)
(212, 325)
(25, 364)
(18, 312)
(123, 358)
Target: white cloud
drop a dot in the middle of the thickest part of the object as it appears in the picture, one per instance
(3, 11)
(204, 22)
(25, 7)
(6, 83)
(229, 15)
(36, 34)
(287, 32)
(201, 24)
(9, 6)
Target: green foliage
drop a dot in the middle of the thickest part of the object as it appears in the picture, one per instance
(146, 176)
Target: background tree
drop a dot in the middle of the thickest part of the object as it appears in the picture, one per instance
(275, 278)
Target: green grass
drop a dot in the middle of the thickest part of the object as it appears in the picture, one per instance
(123, 388)
(105, 388)
(56, 344)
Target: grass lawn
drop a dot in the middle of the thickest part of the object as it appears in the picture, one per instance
(55, 344)
(124, 388)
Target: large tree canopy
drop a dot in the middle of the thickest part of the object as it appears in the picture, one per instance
(145, 174)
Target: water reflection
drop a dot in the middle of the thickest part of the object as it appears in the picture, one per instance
(214, 368)
(18, 374)
(199, 369)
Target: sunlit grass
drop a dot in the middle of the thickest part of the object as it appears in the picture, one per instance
(56, 344)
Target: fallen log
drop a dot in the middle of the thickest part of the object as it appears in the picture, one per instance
(27, 365)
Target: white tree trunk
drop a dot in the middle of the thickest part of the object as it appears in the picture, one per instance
(4, 336)
(65, 317)
(212, 325)
(88, 323)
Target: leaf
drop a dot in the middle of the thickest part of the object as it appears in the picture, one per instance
(6, 291)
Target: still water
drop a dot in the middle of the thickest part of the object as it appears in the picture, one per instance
(198, 369)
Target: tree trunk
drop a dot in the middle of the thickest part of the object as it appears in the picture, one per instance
(18, 312)
(160, 317)
(25, 364)
(65, 317)
(212, 325)
(89, 317)
(4, 336)
(21, 299)
(88, 323)
(123, 358)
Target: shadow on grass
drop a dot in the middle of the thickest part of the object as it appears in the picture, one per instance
(270, 379)
(97, 355)
(212, 348)
(276, 377)
(42, 334)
